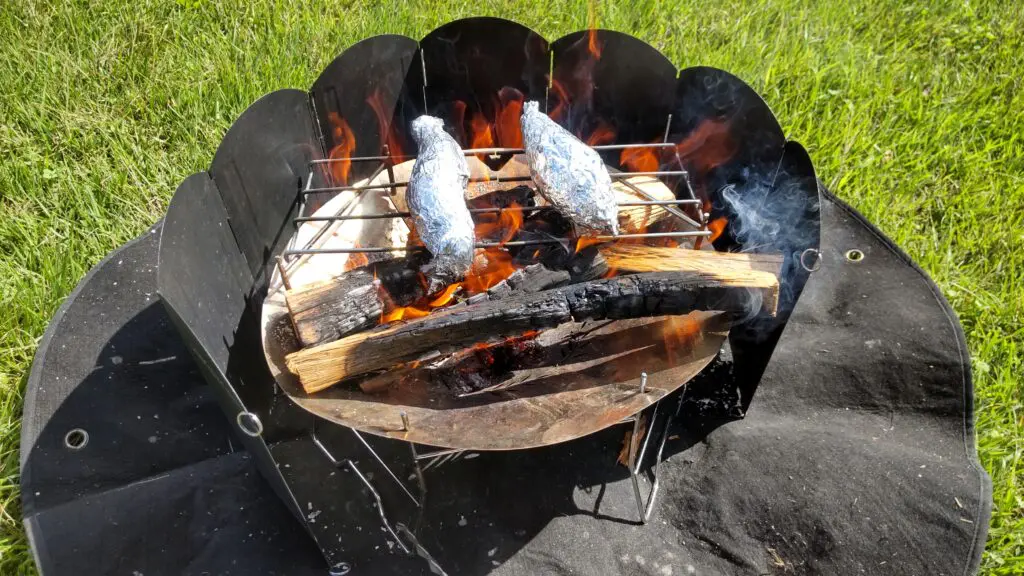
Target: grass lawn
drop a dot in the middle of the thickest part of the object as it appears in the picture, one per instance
(911, 114)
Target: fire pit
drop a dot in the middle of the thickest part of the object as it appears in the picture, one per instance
(296, 247)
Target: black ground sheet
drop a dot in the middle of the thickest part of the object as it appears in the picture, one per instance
(856, 457)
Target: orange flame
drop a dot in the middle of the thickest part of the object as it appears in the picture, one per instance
(507, 222)
(584, 241)
(562, 100)
(717, 227)
(707, 146)
(458, 119)
(481, 132)
(491, 267)
(403, 313)
(345, 144)
(593, 44)
(386, 130)
(504, 131)
(446, 296)
(510, 109)
(602, 134)
(639, 159)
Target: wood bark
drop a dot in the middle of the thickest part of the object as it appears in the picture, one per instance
(635, 296)
(356, 300)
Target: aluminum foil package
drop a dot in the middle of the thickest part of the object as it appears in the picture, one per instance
(436, 199)
(569, 174)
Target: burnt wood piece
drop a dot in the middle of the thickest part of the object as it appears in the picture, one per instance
(329, 310)
(356, 300)
(636, 296)
(353, 301)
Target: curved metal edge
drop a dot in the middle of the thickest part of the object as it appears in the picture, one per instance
(473, 67)
(202, 275)
(794, 200)
(260, 166)
(609, 87)
(358, 91)
(727, 135)
(29, 434)
(203, 282)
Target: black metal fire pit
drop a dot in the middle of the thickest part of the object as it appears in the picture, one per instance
(377, 500)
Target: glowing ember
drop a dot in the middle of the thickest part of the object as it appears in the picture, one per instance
(357, 259)
(342, 152)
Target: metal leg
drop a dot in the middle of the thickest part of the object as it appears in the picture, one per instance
(403, 535)
(366, 482)
(386, 467)
(637, 450)
(422, 552)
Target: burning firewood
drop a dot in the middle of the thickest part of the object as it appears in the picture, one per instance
(362, 298)
(636, 296)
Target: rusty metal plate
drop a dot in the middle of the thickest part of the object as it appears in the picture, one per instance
(595, 385)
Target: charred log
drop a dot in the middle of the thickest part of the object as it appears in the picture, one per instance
(358, 299)
(640, 295)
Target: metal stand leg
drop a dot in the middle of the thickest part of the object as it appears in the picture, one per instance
(637, 452)
(399, 532)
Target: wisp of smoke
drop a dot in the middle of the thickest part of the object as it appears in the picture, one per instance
(774, 220)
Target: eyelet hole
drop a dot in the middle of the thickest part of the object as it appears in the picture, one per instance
(854, 255)
(76, 439)
(249, 423)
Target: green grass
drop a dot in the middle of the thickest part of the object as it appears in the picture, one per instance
(912, 114)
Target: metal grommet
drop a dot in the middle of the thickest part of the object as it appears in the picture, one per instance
(76, 439)
(815, 264)
(340, 569)
(854, 255)
(249, 423)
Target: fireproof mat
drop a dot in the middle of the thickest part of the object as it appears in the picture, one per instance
(856, 457)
